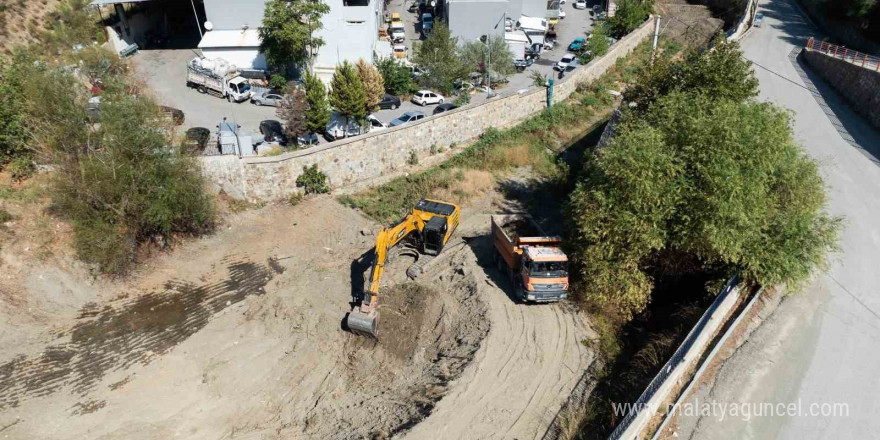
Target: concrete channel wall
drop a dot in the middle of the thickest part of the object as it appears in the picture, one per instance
(369, 156)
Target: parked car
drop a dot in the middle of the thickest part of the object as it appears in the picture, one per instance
(597, 9)
(602, 16)
(406, 118)
(444, 107)
(375, 124)
(561, 12)
(759, 18)
(427, 24)
(267, 98)
(389, 102)
(273, 132)
(307, 140)
(580, 4)
(425, 97)
(577, 44)
(196, 140)
(399, 51)
(568, 60)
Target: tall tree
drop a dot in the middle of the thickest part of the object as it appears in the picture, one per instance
(476, 54)
(373, 82)
(317, 108)
(288, 31)
(293, 111)
(347, 93)
(629, 15)
(438, 54)
(678, 191)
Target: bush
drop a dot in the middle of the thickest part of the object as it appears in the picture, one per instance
(5, 216)
(21, 168)
(118, 183)
(295, 198)
(312, 180)
(278, 82)
(413, 158)
(395, 76)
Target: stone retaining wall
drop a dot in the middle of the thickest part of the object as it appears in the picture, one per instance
(365, 157)
(859, 86)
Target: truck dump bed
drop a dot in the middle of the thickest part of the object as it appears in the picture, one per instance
(520, 229)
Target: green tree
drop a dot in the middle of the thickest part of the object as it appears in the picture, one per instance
(597, 44)
(438, 55)
(395, 75)
(475, 54)
(629, 15)
(117, 182)
(347, 93)
(721, 73)
(294, 112)
(288, 31)
(694, 183)
(317, 108)
(374, 85)
(13, 135)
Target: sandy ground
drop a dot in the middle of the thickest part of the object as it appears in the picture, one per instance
(238, 336)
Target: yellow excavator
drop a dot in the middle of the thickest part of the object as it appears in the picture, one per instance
(428, 227)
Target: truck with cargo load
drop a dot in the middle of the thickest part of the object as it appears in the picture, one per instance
(534, 261)
(218, 78)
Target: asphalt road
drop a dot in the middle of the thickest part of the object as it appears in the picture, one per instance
(821, 345)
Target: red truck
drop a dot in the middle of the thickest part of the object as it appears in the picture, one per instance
(534, 260)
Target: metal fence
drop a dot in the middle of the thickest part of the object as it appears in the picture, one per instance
(845, 54)
(642, 403)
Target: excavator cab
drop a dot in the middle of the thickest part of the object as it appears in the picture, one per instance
(433, 236)
(430, 224)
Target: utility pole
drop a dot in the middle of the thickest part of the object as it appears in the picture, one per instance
(656, 36)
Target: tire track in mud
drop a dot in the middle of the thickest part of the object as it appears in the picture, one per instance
(126, 332)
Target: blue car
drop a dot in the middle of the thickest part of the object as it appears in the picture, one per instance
(577, 44)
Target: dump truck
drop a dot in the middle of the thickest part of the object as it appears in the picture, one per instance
(534, 261)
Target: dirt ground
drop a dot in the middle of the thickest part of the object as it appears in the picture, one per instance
(238, 335)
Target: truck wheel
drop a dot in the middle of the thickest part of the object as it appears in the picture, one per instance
(520, 291)
(228, 98)
(202, 89)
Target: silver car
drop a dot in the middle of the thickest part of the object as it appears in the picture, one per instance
(407, 118)
(267, 98)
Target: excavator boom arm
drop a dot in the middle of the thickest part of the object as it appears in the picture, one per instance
(387, 239)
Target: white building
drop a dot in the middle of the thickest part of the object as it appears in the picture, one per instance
(470, 19)
(350, 32)
(229, 29)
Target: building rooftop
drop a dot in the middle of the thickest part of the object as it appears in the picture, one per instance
(233, 38)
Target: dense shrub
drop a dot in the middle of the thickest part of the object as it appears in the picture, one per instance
(312, 180)
(118, 183)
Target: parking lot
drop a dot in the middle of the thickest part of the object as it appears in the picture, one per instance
(164, 72)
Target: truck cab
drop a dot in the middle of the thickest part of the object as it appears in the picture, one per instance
(238, 89)
(543, 274)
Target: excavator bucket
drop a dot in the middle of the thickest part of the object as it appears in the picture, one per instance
(364, 324)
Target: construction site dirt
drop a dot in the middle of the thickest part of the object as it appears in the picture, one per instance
(238, 336)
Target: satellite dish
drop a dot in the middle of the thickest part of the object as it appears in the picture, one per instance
(209, 26)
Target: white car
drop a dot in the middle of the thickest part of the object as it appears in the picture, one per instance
(580, 4)
(567, 60)
(425, 97)
(375, 124)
